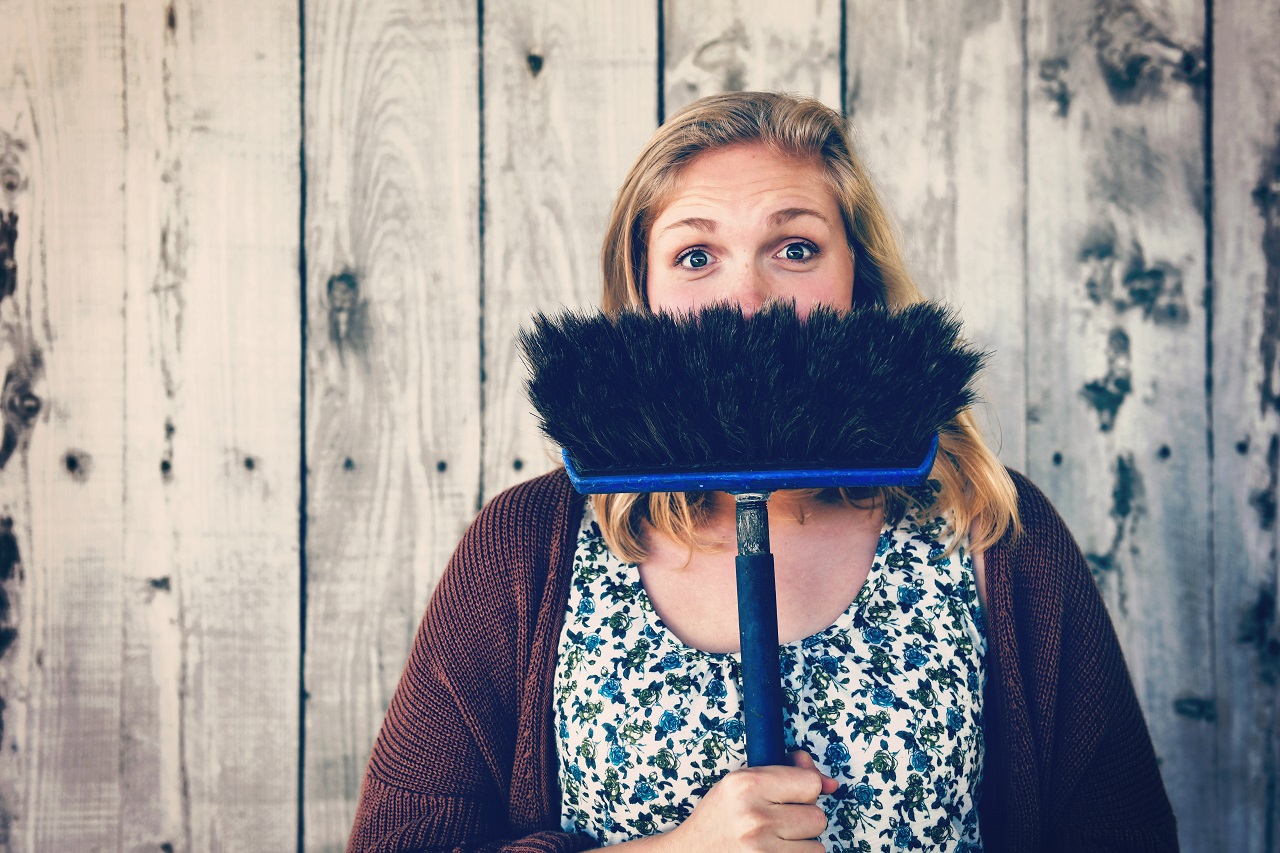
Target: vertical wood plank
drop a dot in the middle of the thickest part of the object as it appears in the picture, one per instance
(570, 97)
(1117, 405)
(935, 102)
(61, 471)
(212, 397)
(731, 45)
(393, 358)
(1246, 418)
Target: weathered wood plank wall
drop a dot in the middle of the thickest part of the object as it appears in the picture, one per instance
(569, 98)
(150, 477)
(935, 98)
(393, 358)
(1245, 440)
(211, 406)
(62, 328)
(1117, 415)
(262, 266)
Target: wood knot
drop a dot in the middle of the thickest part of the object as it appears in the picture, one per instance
(346, 323)
(18, 405)
(12, 177)
(8, 253)
(1196, 708)
(343, 289)
(1135, 55)
(1257, 629)
(9, 554)
(1107, 394)
(1054, 85)
(24, 405)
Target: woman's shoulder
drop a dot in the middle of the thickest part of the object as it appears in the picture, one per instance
(522, 531)
(1040, 523)
(1041, 558)
(534, 495)
(529, 509)
(505, 564)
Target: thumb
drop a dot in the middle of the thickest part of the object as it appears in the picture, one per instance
(802, 759)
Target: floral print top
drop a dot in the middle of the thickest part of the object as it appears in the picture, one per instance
(888, 699)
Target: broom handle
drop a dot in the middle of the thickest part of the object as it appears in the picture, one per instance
(758, 629)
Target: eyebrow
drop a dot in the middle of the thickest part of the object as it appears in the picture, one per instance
(697, 222)
(776, 219)
(782, 217)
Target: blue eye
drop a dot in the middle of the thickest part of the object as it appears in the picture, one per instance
(694, 259)
(798, 252)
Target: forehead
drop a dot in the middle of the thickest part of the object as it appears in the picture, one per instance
(745, 177)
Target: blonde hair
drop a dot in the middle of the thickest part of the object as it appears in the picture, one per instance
(973, 489)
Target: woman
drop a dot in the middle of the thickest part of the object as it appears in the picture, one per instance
(952, 679)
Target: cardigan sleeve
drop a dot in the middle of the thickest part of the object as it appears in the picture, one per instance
(440, 776)
(1100, 786)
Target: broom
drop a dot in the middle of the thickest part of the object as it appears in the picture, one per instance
(714, 400)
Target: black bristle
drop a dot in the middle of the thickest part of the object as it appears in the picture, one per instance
(716, 390)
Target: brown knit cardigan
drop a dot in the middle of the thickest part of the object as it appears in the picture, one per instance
(466, 758)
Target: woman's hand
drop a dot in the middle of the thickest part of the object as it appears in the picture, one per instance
(759, 808)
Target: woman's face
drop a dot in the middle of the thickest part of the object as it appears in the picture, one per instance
(746, 225)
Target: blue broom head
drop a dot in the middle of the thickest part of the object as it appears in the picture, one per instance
(643, 401)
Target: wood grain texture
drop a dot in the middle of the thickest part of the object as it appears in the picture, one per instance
(211, 590)
(393, 358)
(570, 97)
(156, 807)
(62, 144)
(1117, 406)
(1246, 419)
(935, 103)
(731, 45)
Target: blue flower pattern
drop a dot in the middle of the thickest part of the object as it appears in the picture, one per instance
(888, 699)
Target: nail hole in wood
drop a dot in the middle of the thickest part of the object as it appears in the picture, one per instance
(1164, 452)
(535, 64)
(250, 463)
(518, 464)
(1242, 447)
(1057, 459)
(442, 466)
(78, 464)
(348, 464)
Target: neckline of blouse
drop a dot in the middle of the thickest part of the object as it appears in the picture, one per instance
(876, 578)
